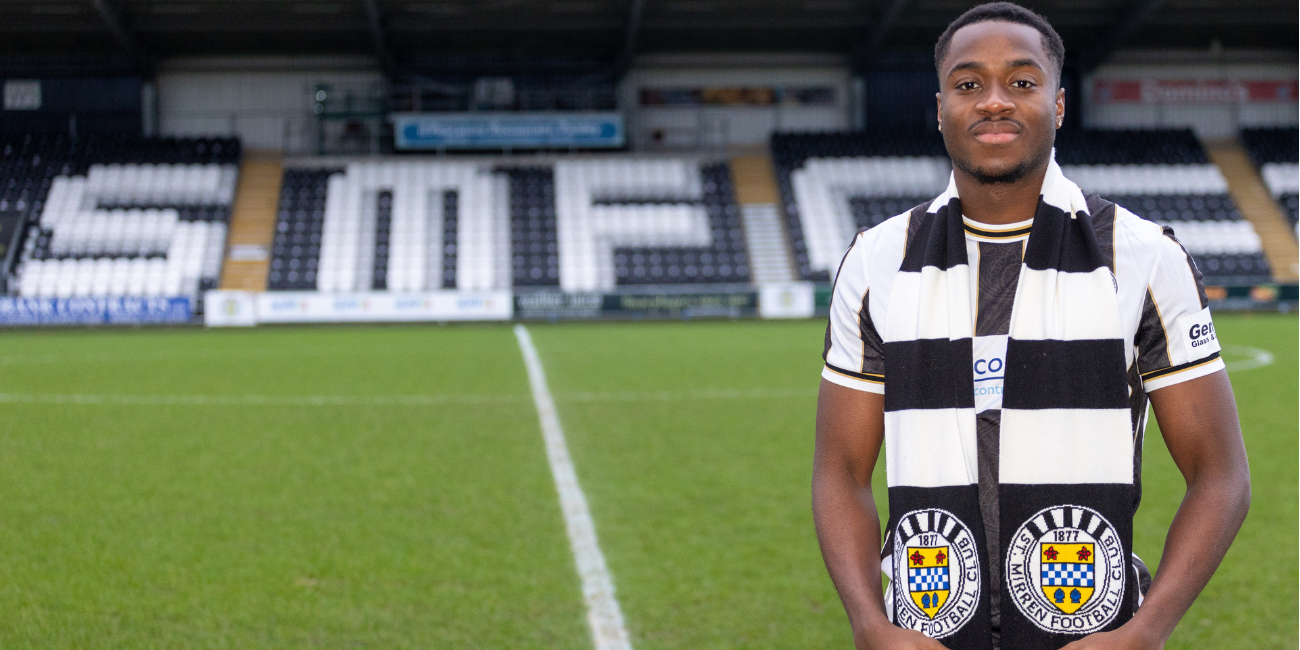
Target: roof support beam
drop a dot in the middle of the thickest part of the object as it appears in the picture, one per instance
(631, 31)
(375, 17)
(864, 52)
(1137, 16)
(111, 13)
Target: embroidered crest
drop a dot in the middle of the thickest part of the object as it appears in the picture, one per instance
(937, 554)
(1066, 570)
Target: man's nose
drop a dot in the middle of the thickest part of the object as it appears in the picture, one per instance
(995, 101)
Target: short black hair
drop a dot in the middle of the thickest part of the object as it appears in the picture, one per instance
(1006, 12)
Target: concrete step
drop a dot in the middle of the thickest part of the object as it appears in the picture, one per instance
(1257, 205)
(252, 221)
(764, 236)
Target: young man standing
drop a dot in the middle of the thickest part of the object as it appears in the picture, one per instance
(1004, 340)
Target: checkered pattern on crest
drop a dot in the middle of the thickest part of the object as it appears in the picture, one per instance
(1068, 575)
(928, 579)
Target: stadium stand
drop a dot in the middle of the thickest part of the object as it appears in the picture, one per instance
(296, 247)
(583, 224)
(834, 184)
(1276, 153)
(119, 216)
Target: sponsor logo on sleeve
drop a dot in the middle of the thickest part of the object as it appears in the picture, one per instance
(1201, 335)
(1197, 329)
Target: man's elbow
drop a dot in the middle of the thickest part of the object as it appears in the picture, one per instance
(1234, 491)
(1243, 493)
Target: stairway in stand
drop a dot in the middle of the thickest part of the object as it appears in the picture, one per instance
(252, 222)
(1258, 206)
(769, 253)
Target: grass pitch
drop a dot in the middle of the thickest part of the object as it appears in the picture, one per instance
(387, 487)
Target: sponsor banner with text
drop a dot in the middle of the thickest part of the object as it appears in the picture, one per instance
(1193, 91)
(431, 131)
(94, 311)
(633, 305)
(378, 307)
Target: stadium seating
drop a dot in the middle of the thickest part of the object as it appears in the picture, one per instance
(120, 217)
(1276, 153)
(579, 224)
(834, 184)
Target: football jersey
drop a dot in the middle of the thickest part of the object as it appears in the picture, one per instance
(1169, 337)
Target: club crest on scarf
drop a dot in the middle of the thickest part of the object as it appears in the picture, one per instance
(937, 554)
(1066, 570)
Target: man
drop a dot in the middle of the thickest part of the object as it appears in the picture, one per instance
(1005, 339)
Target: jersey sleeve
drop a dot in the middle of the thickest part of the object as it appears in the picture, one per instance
(854, 354)
(1176, 340)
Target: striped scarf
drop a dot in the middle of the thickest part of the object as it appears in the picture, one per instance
(1066, 494)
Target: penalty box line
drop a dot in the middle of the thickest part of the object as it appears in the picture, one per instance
(603, 612)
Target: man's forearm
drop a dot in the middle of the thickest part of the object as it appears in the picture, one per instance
(1206, 523)
(848, 530)
(1198, 420)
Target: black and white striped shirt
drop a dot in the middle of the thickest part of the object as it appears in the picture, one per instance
(1169, 337)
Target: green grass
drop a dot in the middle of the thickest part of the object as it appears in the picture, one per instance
(271, 526)
(1252, 598)
(435, 525)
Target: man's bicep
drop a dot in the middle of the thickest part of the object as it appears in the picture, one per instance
(1176, 338)
(850, 429)
(1198, 420)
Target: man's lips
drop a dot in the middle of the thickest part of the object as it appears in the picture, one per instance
(999, 132)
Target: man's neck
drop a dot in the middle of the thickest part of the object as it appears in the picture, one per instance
(1000, 203)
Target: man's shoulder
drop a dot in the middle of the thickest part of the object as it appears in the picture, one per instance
(1127, 222)
(886, 232)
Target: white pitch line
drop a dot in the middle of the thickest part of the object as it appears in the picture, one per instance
(1258, 358)
(673, 396)
(91, 399)
(603, 612)
(253, 400)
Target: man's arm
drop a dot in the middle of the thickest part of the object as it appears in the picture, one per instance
(850, 429)
(1198, 419)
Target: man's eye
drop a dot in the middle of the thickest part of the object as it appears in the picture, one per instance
(967, 85)
(1023, 83)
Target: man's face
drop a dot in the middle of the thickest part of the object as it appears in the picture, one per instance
(998, 101)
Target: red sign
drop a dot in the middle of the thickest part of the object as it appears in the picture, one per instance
(1192, 91)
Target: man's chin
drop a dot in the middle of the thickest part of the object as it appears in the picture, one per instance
(996, 174)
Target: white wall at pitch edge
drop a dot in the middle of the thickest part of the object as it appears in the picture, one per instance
(787, 300)
(229, 309)
(382, 306)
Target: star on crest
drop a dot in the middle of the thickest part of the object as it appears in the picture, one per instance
(916, 557)
(1050, 554)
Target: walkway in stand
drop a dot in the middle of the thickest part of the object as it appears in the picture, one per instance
(755, 185)
(252, 222)
(1257, 205)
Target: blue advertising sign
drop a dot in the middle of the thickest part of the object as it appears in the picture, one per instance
(502, 130)
(94, 311)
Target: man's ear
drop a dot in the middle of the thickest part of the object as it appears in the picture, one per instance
(1060, 104)
(938, 102)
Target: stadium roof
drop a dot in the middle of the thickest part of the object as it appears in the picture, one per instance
(410, 34)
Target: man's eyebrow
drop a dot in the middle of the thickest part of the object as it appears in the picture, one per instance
(1024, 63)
(976, 65)
(967, 65)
